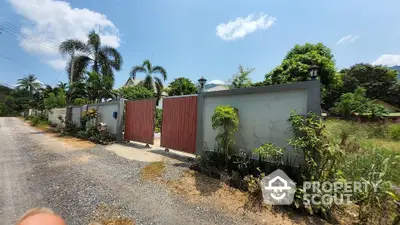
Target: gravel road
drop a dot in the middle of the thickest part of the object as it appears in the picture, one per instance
(37, 170)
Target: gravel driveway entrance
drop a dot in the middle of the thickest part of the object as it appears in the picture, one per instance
(37, 170)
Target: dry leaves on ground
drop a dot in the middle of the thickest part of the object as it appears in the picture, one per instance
(198, 188)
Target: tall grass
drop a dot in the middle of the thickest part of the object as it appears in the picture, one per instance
(366, 144)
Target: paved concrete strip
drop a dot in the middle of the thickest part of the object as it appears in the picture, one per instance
(132, 153)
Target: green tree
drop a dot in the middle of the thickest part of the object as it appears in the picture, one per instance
(378, 81)
(181, 86)
(77, 90)
(16, 101)
(241, 79)
(98, 86)
(133, 93)
(356, 102)
(151, 82)
(29, 83)
(295, 68)
(55, 100)
(62, 86)
(103, 59)
(70, 47)
(298, 60)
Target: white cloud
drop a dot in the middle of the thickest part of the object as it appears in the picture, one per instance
(241, 27)
(388, 60)
(52, 22)
(58, 64)
(347, 39)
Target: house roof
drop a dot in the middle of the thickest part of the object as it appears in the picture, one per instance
(387, 105)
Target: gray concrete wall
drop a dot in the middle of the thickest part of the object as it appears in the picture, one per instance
(263, 113)
(53, 115)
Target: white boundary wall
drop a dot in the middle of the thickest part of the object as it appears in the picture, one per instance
(105, 112)
(53, 115)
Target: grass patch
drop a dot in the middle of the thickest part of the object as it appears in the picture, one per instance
(366, 144)
(153, 171)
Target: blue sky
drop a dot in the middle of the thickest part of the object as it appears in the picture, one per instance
(181, 35)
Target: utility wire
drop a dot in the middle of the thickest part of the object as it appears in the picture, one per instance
(31, 39)
(16, 28)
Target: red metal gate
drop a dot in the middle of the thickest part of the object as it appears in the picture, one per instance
(139, 120)
(179, 123)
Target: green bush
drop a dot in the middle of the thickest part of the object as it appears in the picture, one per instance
(321, 158)
(158, 121)
(35, 121)
(394, 132)
(225, 120)
(269, 152)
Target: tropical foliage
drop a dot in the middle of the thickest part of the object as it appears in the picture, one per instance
(29, 83)
(357, 103)
(133, 93)
(100, 58)
(241, 79)
(181, 86)
(151, 81)
(55, 100)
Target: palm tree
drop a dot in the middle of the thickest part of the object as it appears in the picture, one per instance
(70, 47)
(103, 59)
(151, 81)
(29, 83)
(62, 86)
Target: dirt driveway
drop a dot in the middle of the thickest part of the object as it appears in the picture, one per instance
(87, 184)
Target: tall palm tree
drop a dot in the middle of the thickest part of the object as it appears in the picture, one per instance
(102, 58)
(151, 81)
(71, 47)
(29, 83)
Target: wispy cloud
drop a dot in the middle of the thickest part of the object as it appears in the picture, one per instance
(55, 21)
(347, 39)
(387, 60)
(242, 26)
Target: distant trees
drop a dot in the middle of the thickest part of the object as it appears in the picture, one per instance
(350, 103)
(181, 86)
(55, 100)
(151, 81)
(241, 78)
(378, 81)
(29, 83)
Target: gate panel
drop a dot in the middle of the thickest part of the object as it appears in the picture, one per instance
(139, 120)
(179, 123)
